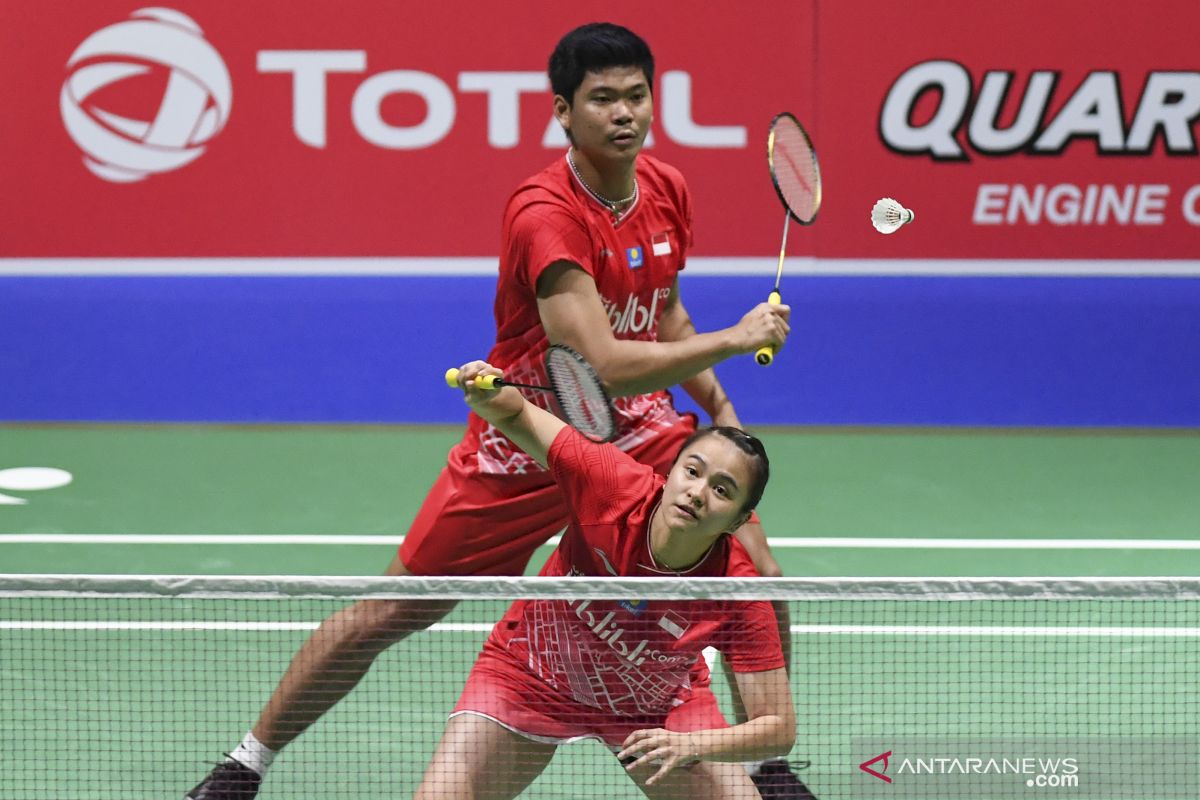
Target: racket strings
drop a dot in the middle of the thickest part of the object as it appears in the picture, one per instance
(580, 394)
(794, 167)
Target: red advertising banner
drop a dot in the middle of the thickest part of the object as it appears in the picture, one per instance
(362, 128)
(1022, 130)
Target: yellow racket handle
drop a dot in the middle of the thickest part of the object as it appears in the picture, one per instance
(766, 355)
(486, 382)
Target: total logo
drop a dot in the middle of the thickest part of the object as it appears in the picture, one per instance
(198, 98)
(192, 110)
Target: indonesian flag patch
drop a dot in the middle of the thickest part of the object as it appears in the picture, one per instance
(673, 624)
(660, 244)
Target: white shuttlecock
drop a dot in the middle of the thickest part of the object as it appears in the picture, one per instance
(888, 215)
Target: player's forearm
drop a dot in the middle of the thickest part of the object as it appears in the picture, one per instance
(708, 393)
(676, 325)
(636, 367)
(502, 419)
(530, 428)
(767, 736)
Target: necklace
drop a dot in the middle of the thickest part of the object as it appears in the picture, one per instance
(666, 567)
(611, 205)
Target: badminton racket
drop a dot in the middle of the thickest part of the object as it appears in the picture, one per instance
(576, 387)
(797, 179)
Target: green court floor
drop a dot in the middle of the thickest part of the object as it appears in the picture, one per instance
(851, 486)
(128, 699)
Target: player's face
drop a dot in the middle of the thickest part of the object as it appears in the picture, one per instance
(707, 487)
(610, 114)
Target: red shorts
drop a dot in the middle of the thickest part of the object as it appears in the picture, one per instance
(520, 702)
(473, 523)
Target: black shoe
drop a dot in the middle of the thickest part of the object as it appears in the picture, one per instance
(230, 780)
(776, 781)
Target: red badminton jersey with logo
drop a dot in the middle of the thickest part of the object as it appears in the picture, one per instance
(564, 669)
(493, 505)
(634, 261)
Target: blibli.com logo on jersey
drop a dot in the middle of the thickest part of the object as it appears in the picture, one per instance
(613, 635)
(633, 317)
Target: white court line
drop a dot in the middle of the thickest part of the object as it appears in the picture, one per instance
(125, 625)
(476, 627)
(763, 265)
(905, 543)
(834, 542)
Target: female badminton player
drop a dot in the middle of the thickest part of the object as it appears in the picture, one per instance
(624, 672)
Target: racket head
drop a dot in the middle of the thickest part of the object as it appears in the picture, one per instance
(794, 169)
(580, 393)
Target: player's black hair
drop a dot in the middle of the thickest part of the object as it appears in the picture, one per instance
(749, 445)
(592, 48)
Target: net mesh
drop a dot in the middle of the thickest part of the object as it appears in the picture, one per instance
(794, 168)
(131, 688)
(580, 394)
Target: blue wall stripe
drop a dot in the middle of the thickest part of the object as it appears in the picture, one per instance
(864, 350)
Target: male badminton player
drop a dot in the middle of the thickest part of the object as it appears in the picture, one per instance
(590, 253)
(555, 671)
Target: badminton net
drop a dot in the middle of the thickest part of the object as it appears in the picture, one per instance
(131, 687)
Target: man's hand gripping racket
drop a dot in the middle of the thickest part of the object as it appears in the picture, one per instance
(797, 179)
(582, 399)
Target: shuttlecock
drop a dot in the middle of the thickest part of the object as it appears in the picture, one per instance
(887, 215)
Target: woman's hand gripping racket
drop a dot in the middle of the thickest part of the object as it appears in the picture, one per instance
(797, 178)
(577, 387)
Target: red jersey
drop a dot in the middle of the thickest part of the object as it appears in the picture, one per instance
(634, 262)
(631, 658)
